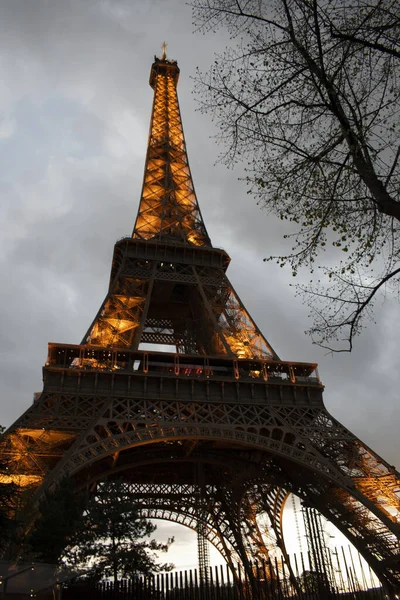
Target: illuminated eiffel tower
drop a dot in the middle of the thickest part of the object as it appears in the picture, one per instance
(216, 430)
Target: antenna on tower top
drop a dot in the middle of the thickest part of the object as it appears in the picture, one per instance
(164, 51)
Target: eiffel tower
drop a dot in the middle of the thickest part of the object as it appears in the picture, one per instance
(217, 428)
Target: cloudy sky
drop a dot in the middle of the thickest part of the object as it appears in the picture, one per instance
(74, 114)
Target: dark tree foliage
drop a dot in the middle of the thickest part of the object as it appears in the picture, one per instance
(308, 95)
(102, 535)
(61, 519)
(9, 497)
(112, 537)
(314, 582)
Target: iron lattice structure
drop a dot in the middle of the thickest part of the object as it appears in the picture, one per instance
(223, 405)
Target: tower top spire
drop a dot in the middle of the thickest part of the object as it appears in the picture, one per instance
(168, 208)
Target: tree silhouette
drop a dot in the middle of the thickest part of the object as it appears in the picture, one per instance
(308, 95)
(102, 534)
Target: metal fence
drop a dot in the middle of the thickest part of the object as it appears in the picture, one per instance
(273, 580)
(343, 575)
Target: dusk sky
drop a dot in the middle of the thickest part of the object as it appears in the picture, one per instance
(74, 116)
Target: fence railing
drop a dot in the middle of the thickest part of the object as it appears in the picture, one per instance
(168, 364)
(269, 580)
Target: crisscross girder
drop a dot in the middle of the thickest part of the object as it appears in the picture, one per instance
(168, 207)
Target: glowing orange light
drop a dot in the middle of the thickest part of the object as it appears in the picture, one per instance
(21, 480)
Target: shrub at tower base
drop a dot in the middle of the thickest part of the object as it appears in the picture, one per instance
(8, 504)
(102, 535)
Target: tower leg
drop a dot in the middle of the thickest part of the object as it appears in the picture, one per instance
(203, 552)
(271, 501)
(232, 509)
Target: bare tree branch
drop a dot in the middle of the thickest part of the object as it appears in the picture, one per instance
(309, 96)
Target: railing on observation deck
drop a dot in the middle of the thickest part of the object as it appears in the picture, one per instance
(117, 360)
